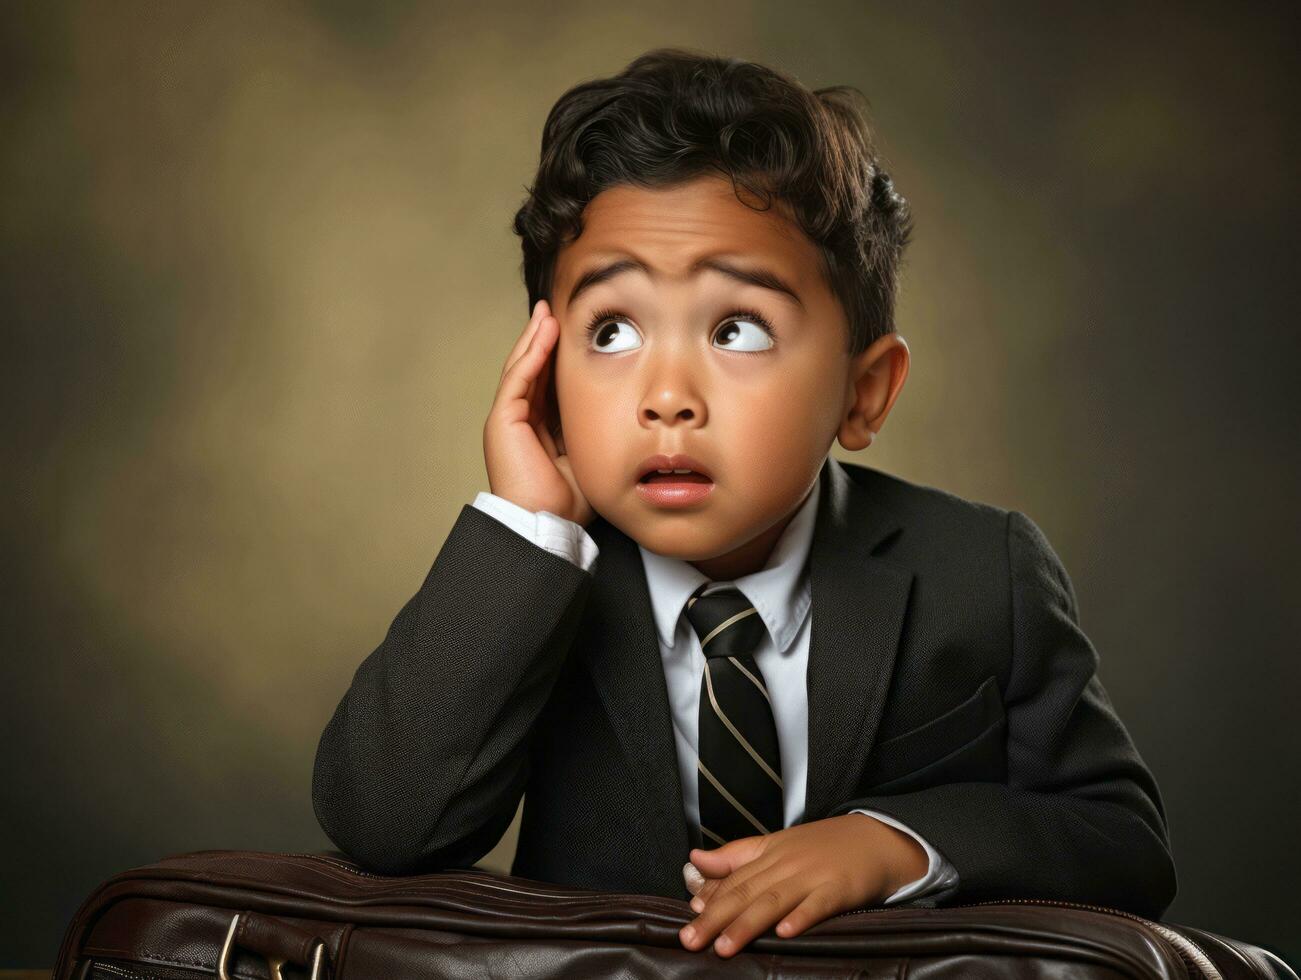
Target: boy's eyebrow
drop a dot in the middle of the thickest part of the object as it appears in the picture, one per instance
(755, 276)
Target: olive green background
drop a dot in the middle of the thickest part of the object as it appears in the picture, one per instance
(259, 280)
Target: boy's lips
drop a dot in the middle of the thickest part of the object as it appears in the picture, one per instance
(673, 489)
(650, 466)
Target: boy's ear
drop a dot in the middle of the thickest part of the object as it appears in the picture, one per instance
(876, 377)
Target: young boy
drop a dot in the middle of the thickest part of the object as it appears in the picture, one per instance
(707, 652)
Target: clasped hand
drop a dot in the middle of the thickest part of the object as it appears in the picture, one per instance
(795, 878)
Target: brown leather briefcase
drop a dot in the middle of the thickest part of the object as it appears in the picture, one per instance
(251, 914)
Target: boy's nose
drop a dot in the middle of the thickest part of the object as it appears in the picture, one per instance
(685, 415)
(672, 406)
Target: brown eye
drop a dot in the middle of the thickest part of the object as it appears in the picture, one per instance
(613, 335)
(753, 334)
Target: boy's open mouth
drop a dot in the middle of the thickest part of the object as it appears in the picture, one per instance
(675, 480)
(675, 476)
(675, 488)
(672, 468)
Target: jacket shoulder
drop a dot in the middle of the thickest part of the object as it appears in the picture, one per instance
(930, 509)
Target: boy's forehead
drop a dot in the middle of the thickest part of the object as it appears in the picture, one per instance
(671, 229)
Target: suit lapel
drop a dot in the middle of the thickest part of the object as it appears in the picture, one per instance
(623, 657)
(859, 601)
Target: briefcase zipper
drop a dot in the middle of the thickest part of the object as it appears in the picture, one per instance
(133, 972)
(341, 865)
(1192, 954)
(493, 885)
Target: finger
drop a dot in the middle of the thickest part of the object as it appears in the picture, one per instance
(699, 903)
(711, 888)
(722, 861)
(819, 904)
(715, 886)
(693, 878)
(522, 341)
(725, 907)
(700, 896)
(758, 917)
(543, 339)
(537, 393)
(548, 444)
(515, 384)
(718, 887)
(526, 343)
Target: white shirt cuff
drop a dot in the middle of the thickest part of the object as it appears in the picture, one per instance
(558, 535)
(939, 874)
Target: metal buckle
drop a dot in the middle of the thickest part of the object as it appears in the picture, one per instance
(318, 957)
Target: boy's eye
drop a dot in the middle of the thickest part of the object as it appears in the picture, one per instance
(744, 331)
(613, 334)
(754, 334)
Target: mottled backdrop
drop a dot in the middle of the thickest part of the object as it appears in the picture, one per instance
(259, 279)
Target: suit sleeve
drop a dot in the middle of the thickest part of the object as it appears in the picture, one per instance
(425, 759)
(1079, 817)
(556, 534)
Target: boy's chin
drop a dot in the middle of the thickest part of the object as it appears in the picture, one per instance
(683, 543)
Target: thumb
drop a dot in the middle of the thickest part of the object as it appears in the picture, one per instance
(722, 861)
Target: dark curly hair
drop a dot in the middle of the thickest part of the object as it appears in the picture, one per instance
(674, 114)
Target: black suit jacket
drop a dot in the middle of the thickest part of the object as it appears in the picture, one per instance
(949, 686)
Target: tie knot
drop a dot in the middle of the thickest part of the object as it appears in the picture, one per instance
(727, 624)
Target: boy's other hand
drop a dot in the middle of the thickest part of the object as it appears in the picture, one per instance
(795, 878)
(526, 464)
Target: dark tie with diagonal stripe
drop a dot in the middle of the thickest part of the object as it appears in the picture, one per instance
(738, 766)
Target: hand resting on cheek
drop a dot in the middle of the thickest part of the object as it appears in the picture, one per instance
(525, 463)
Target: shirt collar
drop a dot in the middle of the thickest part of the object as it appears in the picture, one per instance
(779, 592)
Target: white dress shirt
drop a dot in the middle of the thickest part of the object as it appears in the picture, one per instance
(781, 594)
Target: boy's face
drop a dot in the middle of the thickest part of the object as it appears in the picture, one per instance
(676, 370)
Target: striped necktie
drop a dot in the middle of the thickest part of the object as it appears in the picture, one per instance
(738, 767)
